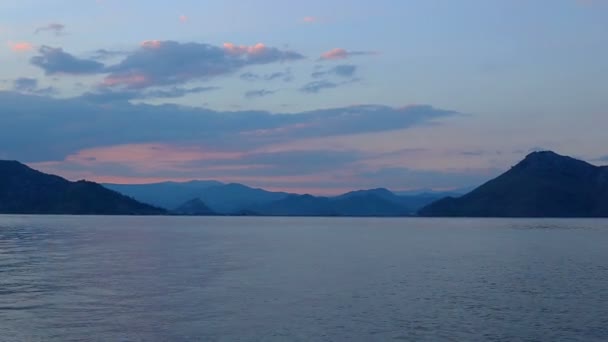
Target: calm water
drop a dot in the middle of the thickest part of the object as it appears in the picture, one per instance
(295, 279)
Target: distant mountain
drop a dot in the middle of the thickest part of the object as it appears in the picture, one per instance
(194, 207)
(544, 184)
(375, 202)
(26, 191)
(221, 198)
(239, 199)
(296, 205)
(370, 204)
(234, 197)
(168, 195)
(412, 202)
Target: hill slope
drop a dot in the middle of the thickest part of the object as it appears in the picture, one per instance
(544, 184)
(194, 207)
(27, 191)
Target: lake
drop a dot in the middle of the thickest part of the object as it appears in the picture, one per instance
(70, 278)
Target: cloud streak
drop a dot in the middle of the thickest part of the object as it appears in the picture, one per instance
(27, 85)
(340, 54)
(55, 28)
(55, 61)
(343, 70)
(318, 86)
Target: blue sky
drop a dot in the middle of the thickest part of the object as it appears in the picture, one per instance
(315, 96)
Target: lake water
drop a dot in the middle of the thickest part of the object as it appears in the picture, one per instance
(302, 279)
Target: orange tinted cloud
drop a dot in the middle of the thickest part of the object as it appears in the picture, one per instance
(20, 46)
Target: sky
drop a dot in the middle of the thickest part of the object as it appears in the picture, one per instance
(311, 96)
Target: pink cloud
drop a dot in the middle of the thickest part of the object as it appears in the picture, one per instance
(20, 46)
(133, 80)
(339, 53)
(147, 156)
(336, 53)
(183, 18)
(310, 19)
(151, 44)
(238, 50)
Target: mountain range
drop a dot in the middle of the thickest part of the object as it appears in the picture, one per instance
(26, 191)
(239, 199)
(544, 184)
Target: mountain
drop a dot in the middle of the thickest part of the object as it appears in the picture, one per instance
(370, 204)
(411, 202)
(168, 195)
(194, 207)
(26, 191)
(375, 202)
(544, 184)
(219, 197)
(238, 199)
(296, 205)
(234, 197)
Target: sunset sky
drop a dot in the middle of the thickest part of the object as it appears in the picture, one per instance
(305, 96)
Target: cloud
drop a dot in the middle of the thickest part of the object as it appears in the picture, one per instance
(55, 61)
(103, 95)
(183, 18)
(20, 46)
(285, 76)
(259, 93)
(310, 20)
(169, 63)
(163, 63)
(65, 126)
(339, 53)
(26, 85)
(54, 28)
(103, 54)
(81, 138)
(343, 70)
(317, 86)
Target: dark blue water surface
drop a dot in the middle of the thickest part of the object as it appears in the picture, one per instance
(75, 278)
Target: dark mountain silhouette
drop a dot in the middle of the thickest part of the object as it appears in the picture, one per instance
(544, 184)
(27, 191)
(194, 207)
